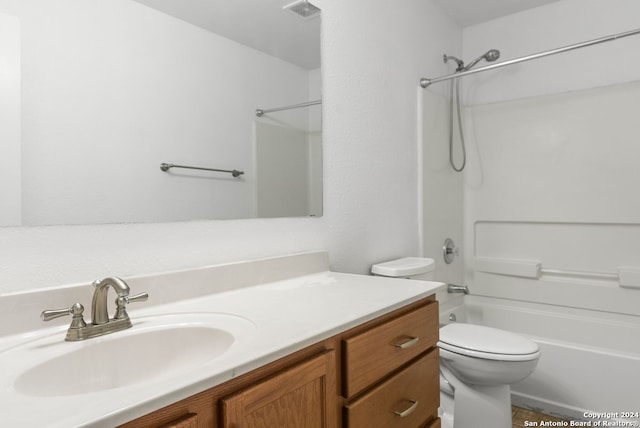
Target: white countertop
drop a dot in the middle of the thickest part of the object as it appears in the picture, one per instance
(288, 315)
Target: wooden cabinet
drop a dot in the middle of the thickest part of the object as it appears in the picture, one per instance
(301, 396)
(197, 411)
(434, 424)
(383, 373)
(190, 420)
(316, 366)
(391, 375)
(403, 400)
(379, 350)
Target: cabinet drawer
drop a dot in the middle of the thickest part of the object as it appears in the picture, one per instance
(187, 421)
(371, 355)
(408, 399)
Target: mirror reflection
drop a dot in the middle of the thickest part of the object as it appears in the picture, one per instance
(96, 96)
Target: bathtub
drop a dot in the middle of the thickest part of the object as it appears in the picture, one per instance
(589, 369)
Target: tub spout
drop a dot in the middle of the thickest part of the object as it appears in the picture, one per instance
(452, 288)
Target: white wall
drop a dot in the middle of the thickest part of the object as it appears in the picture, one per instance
(10, 180)
(554, 162)
(374, 52)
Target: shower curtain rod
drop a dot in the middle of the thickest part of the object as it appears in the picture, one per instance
(425, 82)
(260, 112)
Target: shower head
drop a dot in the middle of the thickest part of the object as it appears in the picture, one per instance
(489, 56)
(458, 61)
(492, 55)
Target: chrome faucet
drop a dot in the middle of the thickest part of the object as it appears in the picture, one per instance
(100, 322)
(452, 288)
(99, 314)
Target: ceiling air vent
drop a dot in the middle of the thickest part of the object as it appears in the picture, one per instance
(302, 9)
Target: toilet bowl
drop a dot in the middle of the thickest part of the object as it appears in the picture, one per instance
(477, 363)
(477, 366)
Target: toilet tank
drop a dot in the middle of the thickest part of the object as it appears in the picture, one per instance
(419, 268)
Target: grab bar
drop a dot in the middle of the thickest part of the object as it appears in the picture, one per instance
(167, 166)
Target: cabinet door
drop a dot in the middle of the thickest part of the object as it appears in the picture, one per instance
(301, 396)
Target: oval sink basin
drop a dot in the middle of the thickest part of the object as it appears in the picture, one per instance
(154, 348)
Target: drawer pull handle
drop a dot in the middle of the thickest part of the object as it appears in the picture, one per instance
(408, 410)
(408, 344)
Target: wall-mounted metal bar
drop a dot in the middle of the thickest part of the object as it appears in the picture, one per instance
(167, 166)
(425, 82)
(260, 112)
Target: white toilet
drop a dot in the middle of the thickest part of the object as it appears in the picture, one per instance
(477, 363)
(477, 366)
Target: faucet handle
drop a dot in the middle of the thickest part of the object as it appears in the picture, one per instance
(140, 297)
(75, 310)
(122, 301)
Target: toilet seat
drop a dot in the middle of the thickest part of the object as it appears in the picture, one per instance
(488, 343)
(489, 355)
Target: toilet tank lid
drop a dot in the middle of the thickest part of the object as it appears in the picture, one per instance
(401, 268)
(486, 339)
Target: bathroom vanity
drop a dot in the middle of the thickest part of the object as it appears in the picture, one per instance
(381, 372)
(312, 348)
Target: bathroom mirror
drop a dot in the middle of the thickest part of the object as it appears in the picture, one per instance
(112, 89)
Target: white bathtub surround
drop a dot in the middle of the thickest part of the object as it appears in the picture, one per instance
(292, 301)
(629, 277)
(550, 184)
(510, 267)
(554, 186)
(441, 187)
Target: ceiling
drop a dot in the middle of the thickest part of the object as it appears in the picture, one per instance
(260, 24)
(265, 26)
(471, 12)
